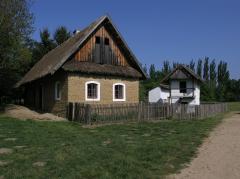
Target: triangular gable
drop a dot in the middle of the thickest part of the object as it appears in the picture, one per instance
(181, 72)
(54, 59)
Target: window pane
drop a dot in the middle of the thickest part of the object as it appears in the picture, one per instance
(106, 41)
(97, 40)
(92, 91)
(118, 91)
(183, 86)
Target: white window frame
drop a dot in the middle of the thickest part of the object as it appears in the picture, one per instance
(124, 92)
(60, 91)
(86, 91)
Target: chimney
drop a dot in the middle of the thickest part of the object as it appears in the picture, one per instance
(76, 31)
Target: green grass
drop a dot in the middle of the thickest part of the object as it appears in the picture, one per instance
(137, 150)
(234, 106)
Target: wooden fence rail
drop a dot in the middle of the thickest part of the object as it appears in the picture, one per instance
(99, 113)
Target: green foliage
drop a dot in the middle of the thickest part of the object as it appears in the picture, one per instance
(234, 106)
(61, 34)
(222, 77)
(152, 71)
(166, 68)
(206, 70)
(199, 68)
(43, 47)
(15, 28)
(213, 81)
(192, 65)
(134, 150)
(47, 43)
(18, 52)
(216, 87)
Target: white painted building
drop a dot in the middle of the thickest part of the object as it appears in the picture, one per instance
(184, 87)
(159, 94)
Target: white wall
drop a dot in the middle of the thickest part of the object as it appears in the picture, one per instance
(176, 95)
(158, 95)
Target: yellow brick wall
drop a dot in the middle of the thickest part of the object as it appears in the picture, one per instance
(76, 89)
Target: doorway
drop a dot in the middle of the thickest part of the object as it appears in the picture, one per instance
(40, 97)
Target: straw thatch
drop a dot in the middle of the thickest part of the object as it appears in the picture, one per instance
(101, 69)
(54, 60)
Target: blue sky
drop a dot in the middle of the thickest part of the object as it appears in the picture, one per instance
(157, 30)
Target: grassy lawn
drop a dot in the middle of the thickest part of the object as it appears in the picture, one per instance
(67, 150)
(234, 106)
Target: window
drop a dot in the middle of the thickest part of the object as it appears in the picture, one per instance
(106, 41)
(119, 92)
(183, 86)
(57, 91)
(92, 91)
(97, 40)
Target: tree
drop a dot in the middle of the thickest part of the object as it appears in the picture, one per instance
(166, 67)
(152, 71)
(145, 68)
(16, 22)
(199, 68)
(233, 88)
(192, 65)
(43, 47)
(61, 34)
(222, 79)
(206, 69)
(213, 80)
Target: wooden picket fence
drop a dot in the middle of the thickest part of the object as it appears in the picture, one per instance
(100, 113)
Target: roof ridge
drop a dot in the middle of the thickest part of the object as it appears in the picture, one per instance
(55, 58)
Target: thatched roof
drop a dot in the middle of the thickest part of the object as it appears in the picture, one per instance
(101, 69)
(163, 86)
(181, 72)
(54, 59)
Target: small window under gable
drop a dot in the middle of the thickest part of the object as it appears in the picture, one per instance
(183, 86)
(106, 41)
(92, 91)
(119, 92)
(97, 40)
(57, 91)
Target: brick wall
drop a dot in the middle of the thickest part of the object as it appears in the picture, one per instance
(73, 90)
(76, 88)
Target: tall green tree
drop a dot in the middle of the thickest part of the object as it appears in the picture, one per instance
(175, 64)
(166, 67)
(16, 28)
(152, 71)
(213, 80)
(233, 88)
(199, 67)
(222, 79)
(43, 47)
(61, 34)
(145, 68)
(206, 69)
(192, 65)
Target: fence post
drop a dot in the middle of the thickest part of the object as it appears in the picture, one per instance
(73, 111)
(88, 114)
(140, 111)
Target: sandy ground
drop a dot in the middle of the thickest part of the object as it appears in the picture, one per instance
(21, 112)
(219, 156)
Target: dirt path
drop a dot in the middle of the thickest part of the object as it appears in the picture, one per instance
(219, 156)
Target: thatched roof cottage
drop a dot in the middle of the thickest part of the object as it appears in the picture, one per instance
(93, 66)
